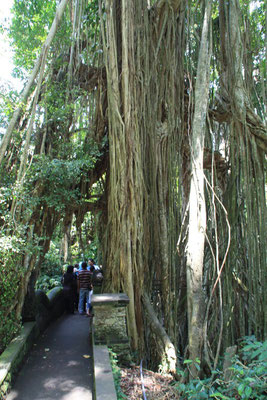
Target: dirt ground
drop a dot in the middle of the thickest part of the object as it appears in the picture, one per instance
(156, 386)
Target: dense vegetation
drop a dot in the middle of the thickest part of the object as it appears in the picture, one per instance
(246, 379)
(140, 140)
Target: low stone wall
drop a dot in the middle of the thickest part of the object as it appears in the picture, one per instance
(48, 307)
(110, 325)
(104, 387)
(109, 330)
(12, 357)
(110, 318)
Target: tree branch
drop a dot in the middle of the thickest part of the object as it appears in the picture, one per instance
(168, 346)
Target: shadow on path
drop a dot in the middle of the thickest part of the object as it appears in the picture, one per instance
(60, 365)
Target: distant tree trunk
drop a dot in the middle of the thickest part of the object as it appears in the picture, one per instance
(67, 237)
(41, 224)
(197, 206)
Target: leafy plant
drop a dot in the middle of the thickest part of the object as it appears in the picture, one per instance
(10, 273)
(250, 370)
(52, 264)
(8, 329)
(46, 283)
(248, 381)
(116, 375)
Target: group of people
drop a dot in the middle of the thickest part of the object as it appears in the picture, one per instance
(77, 284)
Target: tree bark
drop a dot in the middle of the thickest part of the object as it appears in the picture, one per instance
(197, 206)
(169, 352)
(246, 193)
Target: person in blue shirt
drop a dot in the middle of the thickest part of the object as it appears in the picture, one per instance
(79, 267)
(91, 263)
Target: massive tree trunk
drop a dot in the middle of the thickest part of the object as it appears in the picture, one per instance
(126, 182)
(144, 67)
(245, 312)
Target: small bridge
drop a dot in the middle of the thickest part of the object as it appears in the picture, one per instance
(65, 357)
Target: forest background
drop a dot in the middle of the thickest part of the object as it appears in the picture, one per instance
(139, 139)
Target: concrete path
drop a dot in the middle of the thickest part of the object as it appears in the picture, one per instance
(60, 365)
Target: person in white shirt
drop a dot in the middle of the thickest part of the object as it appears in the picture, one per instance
(91, 263)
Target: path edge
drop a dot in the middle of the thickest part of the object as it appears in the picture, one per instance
(104, 386)
(13, 356)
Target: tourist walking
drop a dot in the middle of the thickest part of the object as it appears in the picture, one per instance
(69, 289)
(84, 284)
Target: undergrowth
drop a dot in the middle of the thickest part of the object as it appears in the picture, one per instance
(116, 375)
(247, 379)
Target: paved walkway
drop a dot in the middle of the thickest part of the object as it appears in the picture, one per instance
(60, 365)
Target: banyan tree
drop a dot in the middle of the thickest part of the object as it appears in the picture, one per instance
(150, 116)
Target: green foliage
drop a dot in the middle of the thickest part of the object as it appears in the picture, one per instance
(91, 252)
(8, 98)
(91, 27)
(52, 264)
(9, 328)
(11, 271)
(13, 246)
(46, 283)
(51, 269)
(116, 375)
(30, 26)
(250, 373)
(258, 52)
(248, 380)
(58, 179)
(89, 236)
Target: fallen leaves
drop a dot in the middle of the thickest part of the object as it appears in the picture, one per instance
(157, 387)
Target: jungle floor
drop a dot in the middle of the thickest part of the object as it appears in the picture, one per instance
(156, 386)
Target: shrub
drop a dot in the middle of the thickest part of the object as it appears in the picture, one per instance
(10, 274)
(116, 375)
(52, 264)
(9, 328)
(46, 282)
(248, 381)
